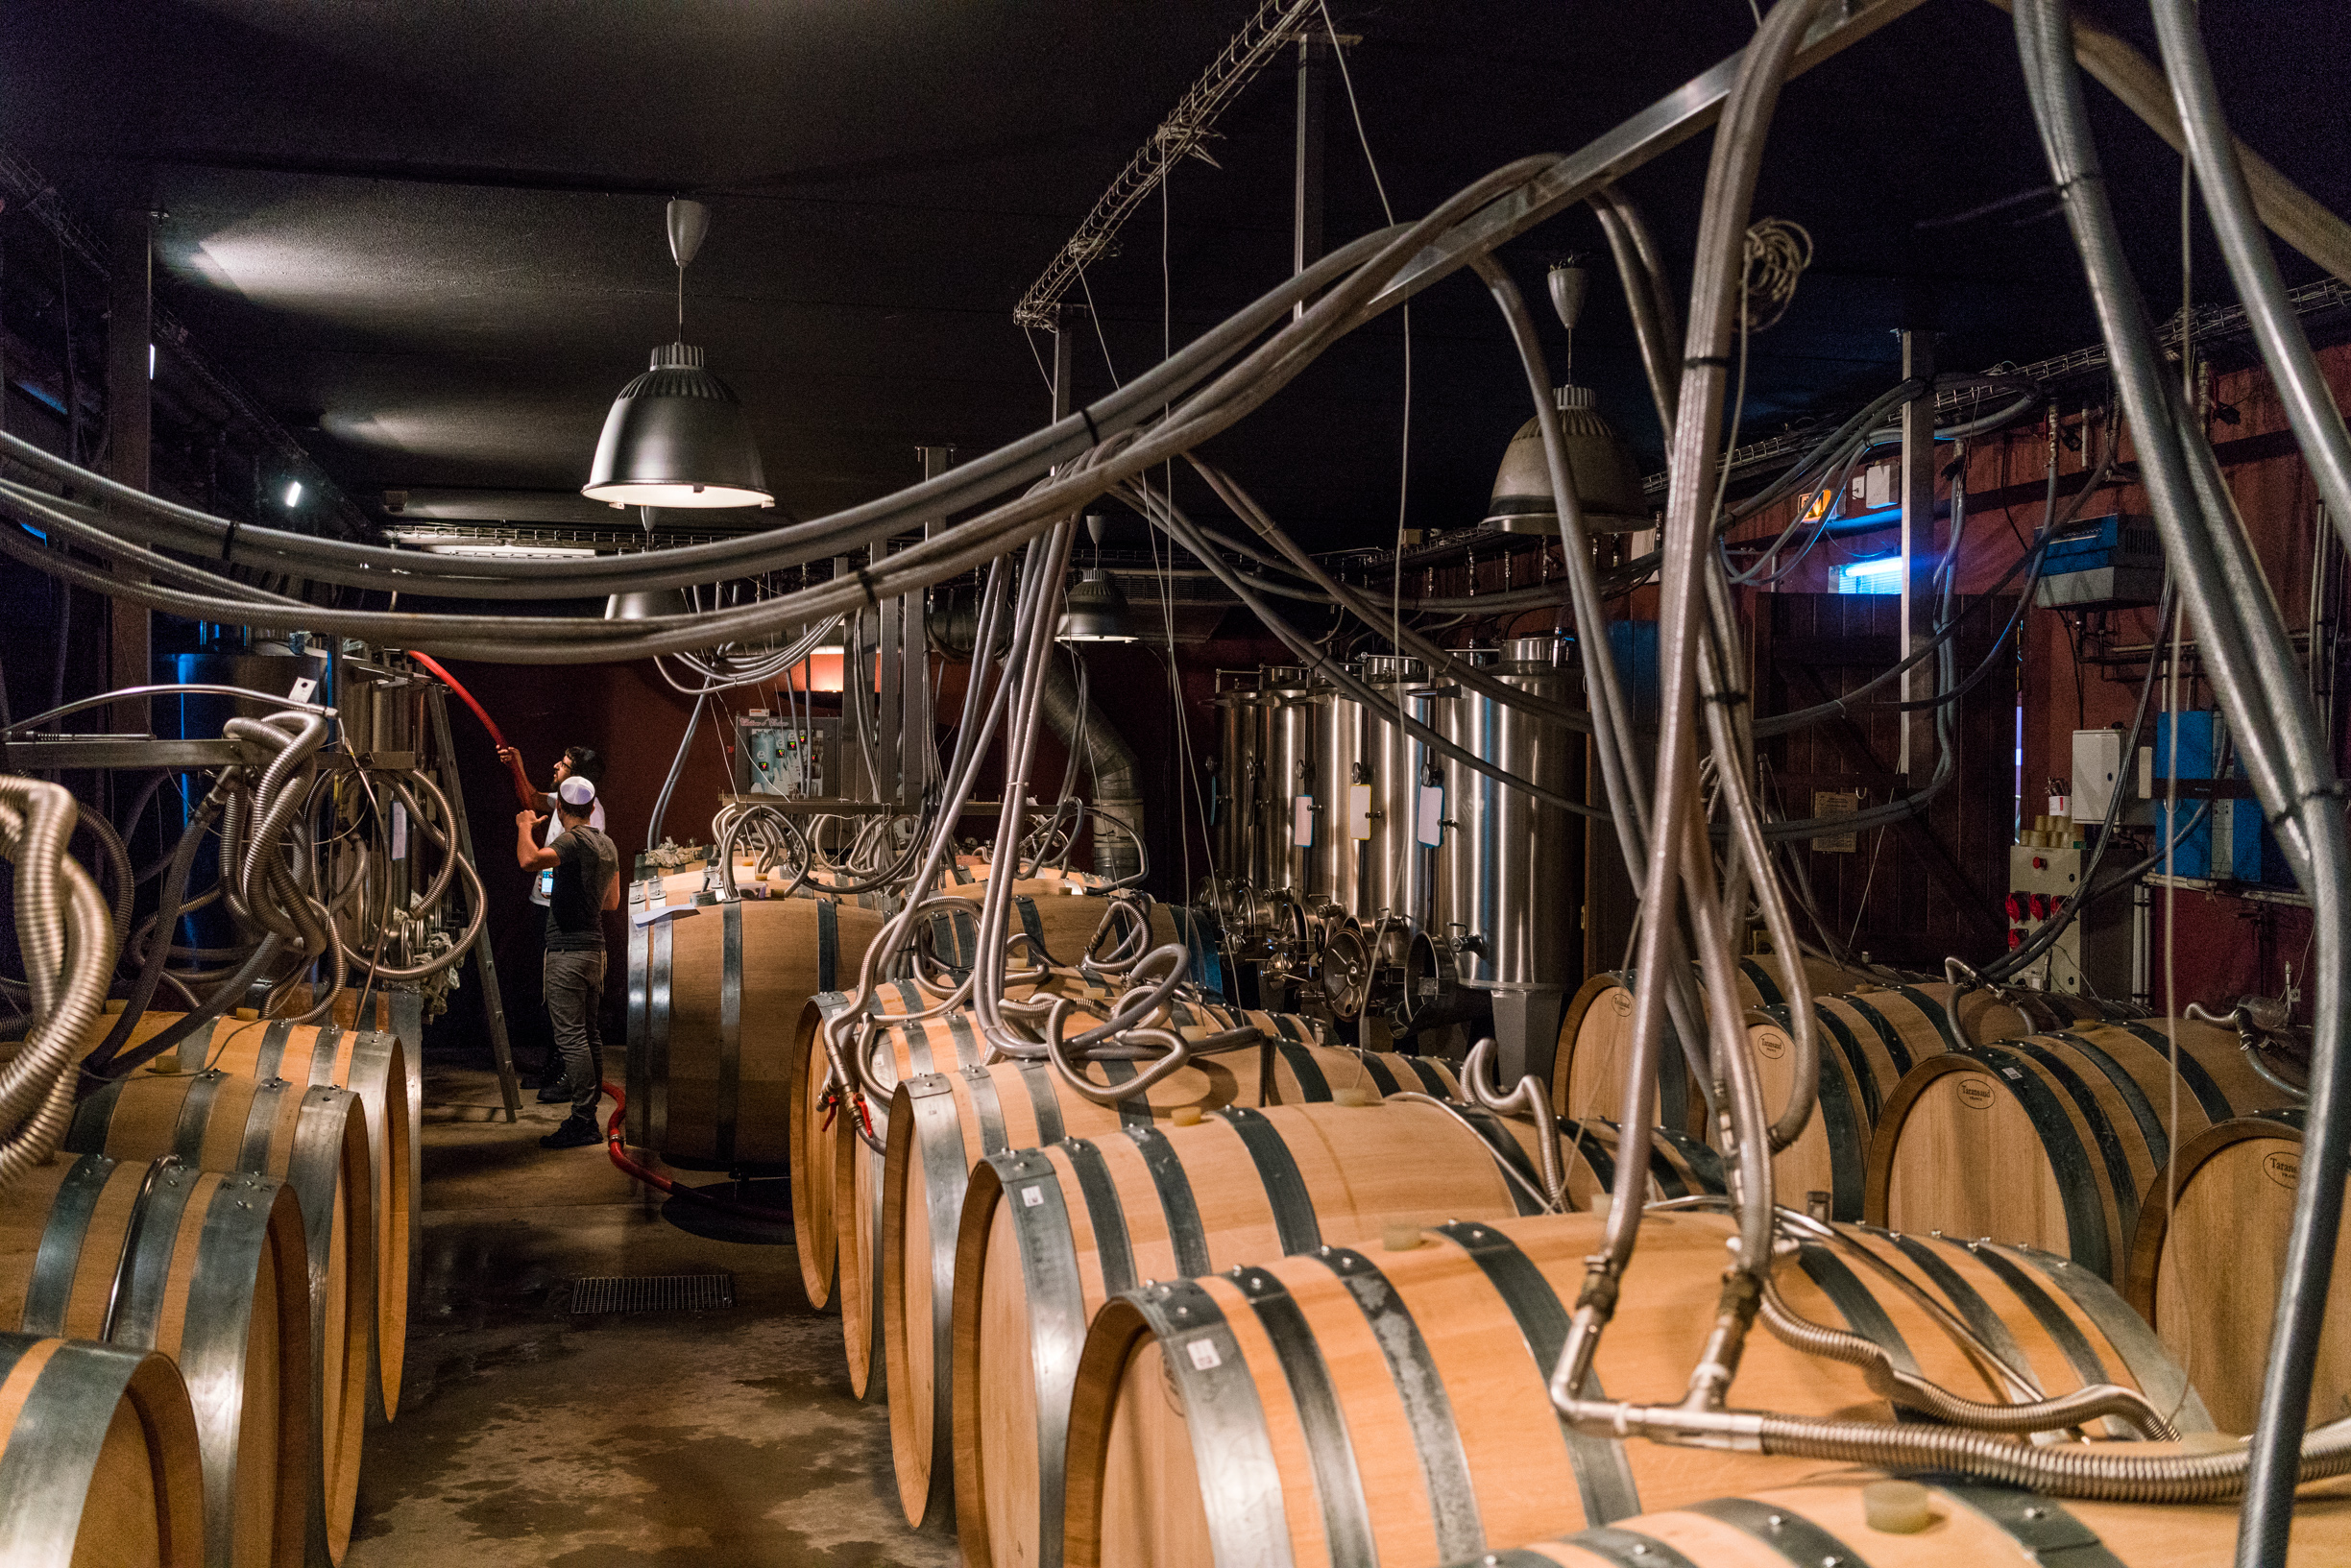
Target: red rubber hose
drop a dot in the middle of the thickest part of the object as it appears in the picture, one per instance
(663, 1184)
(530, 797)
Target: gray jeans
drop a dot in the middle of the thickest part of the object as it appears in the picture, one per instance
(574, 999)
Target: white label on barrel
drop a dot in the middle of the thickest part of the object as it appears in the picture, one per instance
(1031, 1195)
(2010, 1073)
(1204, 1357)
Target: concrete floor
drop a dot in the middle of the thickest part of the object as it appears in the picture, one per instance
(526, 1437)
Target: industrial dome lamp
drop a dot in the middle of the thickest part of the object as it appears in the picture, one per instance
(1606, 478)
(675, 435)
(1094, 610)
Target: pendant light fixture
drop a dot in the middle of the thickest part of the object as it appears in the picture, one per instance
(1093, 610)
(675, 435)
(1602, 468)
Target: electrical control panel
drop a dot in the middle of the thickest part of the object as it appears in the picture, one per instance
(778, 756)
(2095, 948)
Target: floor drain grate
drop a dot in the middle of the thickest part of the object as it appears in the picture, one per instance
(652, 1293)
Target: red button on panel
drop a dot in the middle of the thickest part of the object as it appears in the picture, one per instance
(2040, 864)
(2015, 907)
(2016, 939)
(2040, 906)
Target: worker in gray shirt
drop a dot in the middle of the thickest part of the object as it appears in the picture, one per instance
(586, 881)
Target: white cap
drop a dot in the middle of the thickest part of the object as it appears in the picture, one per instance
(575, 792)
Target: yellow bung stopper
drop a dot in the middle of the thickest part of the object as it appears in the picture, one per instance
(1185, 1116)
(1399, 1238)
(1349, 1095)
(245, 1015)
(1898, 1508)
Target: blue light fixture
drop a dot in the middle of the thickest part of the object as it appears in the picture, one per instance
(1882, 575)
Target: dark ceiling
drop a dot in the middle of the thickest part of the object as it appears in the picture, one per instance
(429, 235)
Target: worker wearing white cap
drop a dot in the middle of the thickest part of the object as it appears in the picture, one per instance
(585, 881)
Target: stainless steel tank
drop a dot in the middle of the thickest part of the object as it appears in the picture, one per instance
(1340, 765)
(1509, 888)
(1289, 712)
(1394, 874)
(1538, 849)
(1240, 783)
(1467, 890)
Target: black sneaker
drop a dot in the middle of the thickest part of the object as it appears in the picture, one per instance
(577, 1132)
(553, 1090)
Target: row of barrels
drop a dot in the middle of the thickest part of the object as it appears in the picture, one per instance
(206, 1302)
(2151, 1154)
(1288, 1305)
(1322, 1330)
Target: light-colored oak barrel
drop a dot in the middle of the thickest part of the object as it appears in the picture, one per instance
(1827, 1521)
(374, 1066)
(2051, 1139)
(2206, 1273)
(1587, 1072)
(1050, 1233)
(969, 872)
(1761, 984)
(1301, 1071)
(715, 997)
(1680, 1166)
(818, 1125)
(314, 1139)
(1858, 1070)
(1343, 1407)
(206, 1268)
(98, 1457)
(1065, 925)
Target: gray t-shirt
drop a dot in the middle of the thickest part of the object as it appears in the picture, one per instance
(586, 862)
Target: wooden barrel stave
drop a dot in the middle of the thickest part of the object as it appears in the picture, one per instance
(373, 1066)
(2054, 1140)
(2206, 1273)
(315, 1139)
(208, 1269)
(1028, 1273)
(98, 1457)
(715, 997)
(1145, 1426)
(1970, 1523)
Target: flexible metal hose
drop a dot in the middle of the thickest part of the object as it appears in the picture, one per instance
(64, 932)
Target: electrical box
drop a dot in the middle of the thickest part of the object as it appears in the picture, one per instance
(2094, 953)
(794, 758)
(2226, 844)
(2100, 771)
(2108, 560)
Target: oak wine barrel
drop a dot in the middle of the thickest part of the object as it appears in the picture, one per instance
(1048, 1233)
(1343, 1407)
(949, 1050)
(715, 997)
(1858, 1070)
(817, 1127)
(1065, 927)
(374, 1066)
(98, 1457)
(1827, 1521)
(1587, 1072)
(210, 1270)
(1680, 1166)
(2051, 1139)
(315, 1141)
(2206, 1271)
